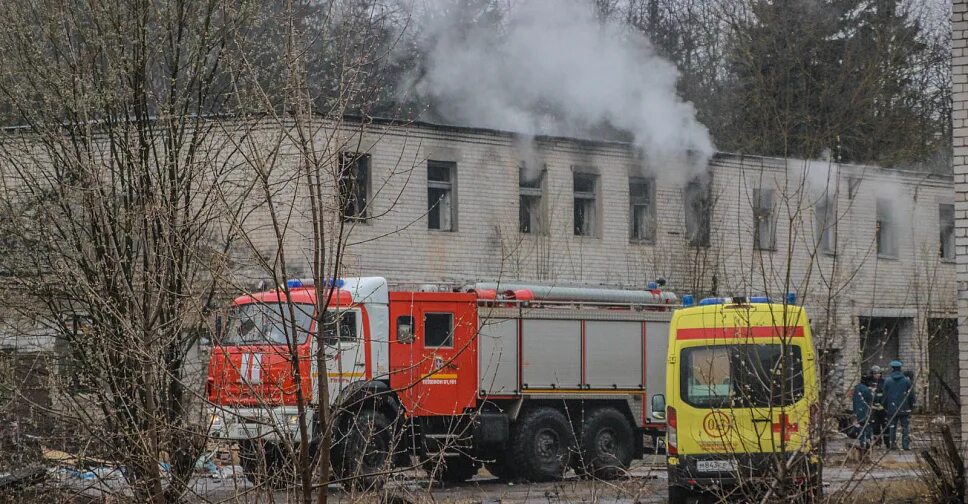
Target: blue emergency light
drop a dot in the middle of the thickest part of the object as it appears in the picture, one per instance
(712, 301)
(332, 283)
(791, 298)
(687, 300)
(652, 286)
(759, 299)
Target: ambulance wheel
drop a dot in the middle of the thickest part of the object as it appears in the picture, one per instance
(361, 454)
(541, 444)
(606, 444)
(679, 495)
(452, 469)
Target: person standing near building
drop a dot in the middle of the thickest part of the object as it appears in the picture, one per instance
(878, 416)
(898, 403)
(863, 401)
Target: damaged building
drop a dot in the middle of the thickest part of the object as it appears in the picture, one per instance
(869, 251)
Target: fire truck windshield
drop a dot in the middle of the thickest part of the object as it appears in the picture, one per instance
(268, 324)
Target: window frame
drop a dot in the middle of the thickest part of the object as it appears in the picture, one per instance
(585, 197)
(351, 164)
(647, 201)
(763, 216)
(535, 193)
(884, 220)
(826, 231)
(697, 197)
(450, 186)
(946, 250)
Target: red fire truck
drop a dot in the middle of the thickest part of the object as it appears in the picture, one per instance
(528, 380)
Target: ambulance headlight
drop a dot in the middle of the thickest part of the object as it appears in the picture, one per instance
(292, 422)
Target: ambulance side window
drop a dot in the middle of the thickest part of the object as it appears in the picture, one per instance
(438, 329)
(405, 329)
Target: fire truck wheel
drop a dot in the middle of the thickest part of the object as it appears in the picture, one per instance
(265, 464)
(606, 444)
(541, 443)
(501, 470)
(362, 456)
(452, 469)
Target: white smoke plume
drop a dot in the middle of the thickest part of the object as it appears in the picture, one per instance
(555, 69)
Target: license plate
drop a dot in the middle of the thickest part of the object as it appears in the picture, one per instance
(716, 465)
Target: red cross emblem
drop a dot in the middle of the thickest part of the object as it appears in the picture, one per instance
(783, 425)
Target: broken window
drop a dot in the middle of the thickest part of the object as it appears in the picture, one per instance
(880, 340)
(946, 217)
(825, 218)
(853, 184)
(531, 190)
(885, 231)
(642, 209)
(697, 202)
(354, 185)
(585, 187)
(441, 201)
(764, 230)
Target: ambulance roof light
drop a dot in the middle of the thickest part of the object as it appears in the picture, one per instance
(687, 300)
(712, 301)
(791, 298)
(759, 299)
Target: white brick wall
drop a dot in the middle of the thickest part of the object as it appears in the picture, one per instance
(959, 71)
(487, 244)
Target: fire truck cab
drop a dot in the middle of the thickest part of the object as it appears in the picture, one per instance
(529, 380)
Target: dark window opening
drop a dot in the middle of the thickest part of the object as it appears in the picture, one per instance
(946, 217)
(825, 220)
(741, 375)
(642, 209)
(885, 232)
(441, 201)
(354, 185)
(764, 230)
(438, 329)
(698, 205)
(880, 340)
(943, 382)
(585, 188)
(531, 191)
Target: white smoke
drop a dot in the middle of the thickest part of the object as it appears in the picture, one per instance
(555, 69)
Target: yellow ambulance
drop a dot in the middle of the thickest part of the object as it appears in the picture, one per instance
(741, 394)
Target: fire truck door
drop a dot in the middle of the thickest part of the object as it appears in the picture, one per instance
(433, 356)
(343, 335)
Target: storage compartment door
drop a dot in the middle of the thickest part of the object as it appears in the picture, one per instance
(614, 356)
(498, 356)
(550, 354)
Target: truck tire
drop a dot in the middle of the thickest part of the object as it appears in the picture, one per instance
(541, 444)
(606, 444)
(452, 469)
(361, 455)
(266, 463)
(501, 470)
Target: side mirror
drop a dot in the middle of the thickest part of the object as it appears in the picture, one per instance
(658, 407)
